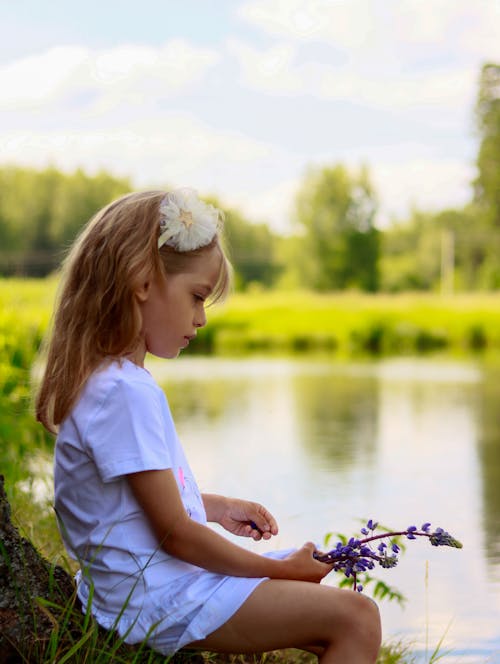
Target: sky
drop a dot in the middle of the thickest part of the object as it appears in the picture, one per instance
(239, 98)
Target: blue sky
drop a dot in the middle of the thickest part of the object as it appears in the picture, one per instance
(240, 98)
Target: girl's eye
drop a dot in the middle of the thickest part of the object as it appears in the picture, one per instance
(199, 298)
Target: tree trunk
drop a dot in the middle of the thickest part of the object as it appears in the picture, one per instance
(24, 578)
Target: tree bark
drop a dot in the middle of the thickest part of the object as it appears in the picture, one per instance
(24, 578)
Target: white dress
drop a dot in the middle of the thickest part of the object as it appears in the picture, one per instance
(122, 424)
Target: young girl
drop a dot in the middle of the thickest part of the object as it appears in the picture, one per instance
(137, 281)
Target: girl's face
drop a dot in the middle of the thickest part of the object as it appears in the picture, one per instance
(173, 307)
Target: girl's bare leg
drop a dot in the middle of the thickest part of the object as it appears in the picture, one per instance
(341, 626)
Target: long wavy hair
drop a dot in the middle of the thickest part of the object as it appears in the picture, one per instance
(97, 316)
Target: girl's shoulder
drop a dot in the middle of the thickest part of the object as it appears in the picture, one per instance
(115, 377)
(121, 370)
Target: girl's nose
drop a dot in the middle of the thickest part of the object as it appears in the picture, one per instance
(200, 319)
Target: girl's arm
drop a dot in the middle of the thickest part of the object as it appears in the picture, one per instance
(241, 517)
(157, 493)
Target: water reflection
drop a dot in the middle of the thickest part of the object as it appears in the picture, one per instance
(191, 399)
(337, 417)
(489, 455)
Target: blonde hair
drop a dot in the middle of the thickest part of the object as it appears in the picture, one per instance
(97, 316)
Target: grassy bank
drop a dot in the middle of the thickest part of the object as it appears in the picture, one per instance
(353, 324)
(290, 322)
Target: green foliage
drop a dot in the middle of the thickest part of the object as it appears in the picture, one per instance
(378, 589)
(25, 308)
(487, 184)
(336, 210)
(410, 255)
(412, 251)
(252, 250)
(42, 211)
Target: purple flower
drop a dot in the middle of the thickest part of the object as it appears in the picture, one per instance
(388, 561)
(441, 538)
(358, 556)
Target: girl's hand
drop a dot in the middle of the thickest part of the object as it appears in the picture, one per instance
(302, 566)
(241, 517)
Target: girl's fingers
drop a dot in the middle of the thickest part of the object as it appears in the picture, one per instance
(264, 521)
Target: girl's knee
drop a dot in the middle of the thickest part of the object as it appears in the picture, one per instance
(360, 622)
(366, 623)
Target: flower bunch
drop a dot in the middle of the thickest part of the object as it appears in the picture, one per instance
(359, 555)
(186, 222)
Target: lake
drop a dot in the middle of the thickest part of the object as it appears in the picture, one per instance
(325, 444)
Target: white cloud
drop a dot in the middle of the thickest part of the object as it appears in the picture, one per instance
(458, 25)
(279, 71)
(400, 53)
(272, 71)
(346, 24)
(442, 89)
(124, 71)
(36, 79)
(154, 151)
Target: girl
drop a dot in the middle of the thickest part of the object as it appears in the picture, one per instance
(137, 280)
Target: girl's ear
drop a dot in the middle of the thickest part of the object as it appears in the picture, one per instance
(142, 293)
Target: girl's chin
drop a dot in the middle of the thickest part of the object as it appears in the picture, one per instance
(168, 355)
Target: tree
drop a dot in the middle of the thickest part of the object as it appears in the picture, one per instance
(251, 248)
(79, 199)
(42, 211)
(487, 184)
(336, 210)
(412, 251)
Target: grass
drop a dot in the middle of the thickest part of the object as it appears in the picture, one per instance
(76, 638)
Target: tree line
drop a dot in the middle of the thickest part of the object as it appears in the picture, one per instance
(336, 245)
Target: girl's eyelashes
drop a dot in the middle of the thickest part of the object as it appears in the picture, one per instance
(198, 297)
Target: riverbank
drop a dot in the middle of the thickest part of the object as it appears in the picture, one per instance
(283, 322)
